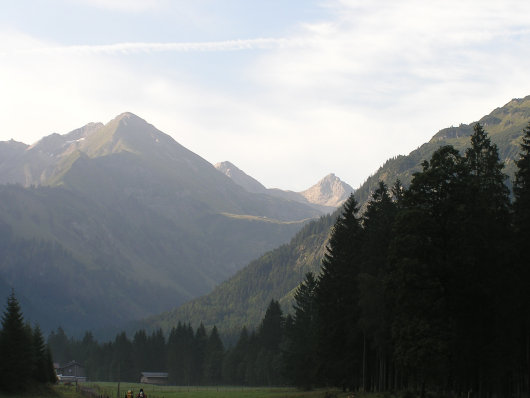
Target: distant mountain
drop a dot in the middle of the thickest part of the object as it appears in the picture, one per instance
(243, 299)
(329, 191)
(240, 177)
(326, 195)
(115, 222)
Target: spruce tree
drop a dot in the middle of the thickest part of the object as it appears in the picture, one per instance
(199, 352)
(300, 359)
(41, 361)
(378, 221)
(340, 342)
(173, 353)
(521, 185)
(421, 263)
(15, 348)
(157, 351)
(521, 222)
(213, 359)
(270, 335)
(51, 376)
(236, 360)
(484, 301)
(122, 366)
(60, 346)
(140, 351)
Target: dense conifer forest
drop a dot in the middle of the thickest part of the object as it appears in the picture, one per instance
(26, 360)
(425, 292)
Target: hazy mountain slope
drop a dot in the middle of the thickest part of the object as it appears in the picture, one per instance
(326, 195)
(33, 165)
(242, 299)
(56, 288)
(127, 203)
(240, 177)
(11, 172)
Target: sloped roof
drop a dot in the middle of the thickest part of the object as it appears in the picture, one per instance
(154, 374)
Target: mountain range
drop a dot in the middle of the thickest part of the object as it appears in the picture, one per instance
(114, 222)
(243, 299)
(326, 195)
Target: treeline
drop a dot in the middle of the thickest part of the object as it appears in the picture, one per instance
(26, 361)
(190, 357)
(428, 290)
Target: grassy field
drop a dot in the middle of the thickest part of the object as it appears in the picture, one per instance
(110, 390)
(57, 391)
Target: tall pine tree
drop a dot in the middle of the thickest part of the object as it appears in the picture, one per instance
(340, 343)
(15, 348)
(300, 360)
(421, 262)
(521, 221)
(213, 359)
(483, 301)
(378, 221)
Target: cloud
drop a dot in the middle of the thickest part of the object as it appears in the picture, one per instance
(369, 81)
(131, 6)
(380, 78)
(138, 48)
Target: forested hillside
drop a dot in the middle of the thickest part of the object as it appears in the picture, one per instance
(503, 125)
(243, 299)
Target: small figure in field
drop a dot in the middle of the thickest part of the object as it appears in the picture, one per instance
(141, 394)
(129, 394)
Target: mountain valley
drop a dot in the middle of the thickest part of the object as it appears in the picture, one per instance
(121, 222)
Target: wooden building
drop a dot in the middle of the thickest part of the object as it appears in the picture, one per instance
(159, 378)
(71, 372)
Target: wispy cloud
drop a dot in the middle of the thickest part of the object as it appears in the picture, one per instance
(136, 48)
(124, 5)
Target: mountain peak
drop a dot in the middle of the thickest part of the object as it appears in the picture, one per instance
(329, 191)
(128, 119)
(127, 115)
(330, 178)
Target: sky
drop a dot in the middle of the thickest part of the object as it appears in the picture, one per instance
(287, 90)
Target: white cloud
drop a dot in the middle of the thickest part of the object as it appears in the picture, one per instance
(134, 6)
(342, 95)
(146, 48)
(396, 72)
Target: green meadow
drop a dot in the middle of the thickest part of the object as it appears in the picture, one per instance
(110, 390)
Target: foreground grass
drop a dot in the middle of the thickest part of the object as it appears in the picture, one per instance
(110, 390)
(57, 391)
